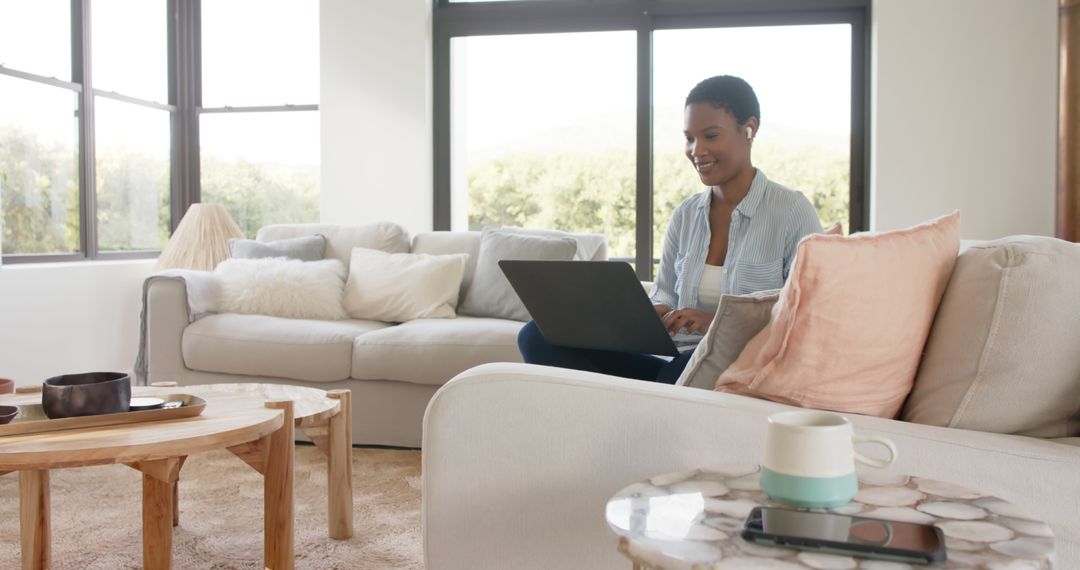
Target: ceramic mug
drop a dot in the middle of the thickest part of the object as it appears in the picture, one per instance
(810, 459)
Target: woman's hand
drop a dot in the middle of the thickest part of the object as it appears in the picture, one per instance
(693, 320)
(662, 310)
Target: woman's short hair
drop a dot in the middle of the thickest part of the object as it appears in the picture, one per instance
(727, 92)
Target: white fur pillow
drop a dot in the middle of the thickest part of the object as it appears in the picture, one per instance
(399, 287)
(282, 288)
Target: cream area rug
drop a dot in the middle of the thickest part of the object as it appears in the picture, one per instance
(97, 515)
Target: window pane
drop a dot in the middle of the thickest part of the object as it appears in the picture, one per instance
(263, 167)
(802, 77)
(274, 61)
(543, 133)
(39, 181)
(133, 174)
(130, 48)
(35, 36)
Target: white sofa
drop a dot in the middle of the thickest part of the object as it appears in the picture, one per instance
(392, 369)
(519, 460)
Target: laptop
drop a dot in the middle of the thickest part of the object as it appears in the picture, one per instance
(592, 304)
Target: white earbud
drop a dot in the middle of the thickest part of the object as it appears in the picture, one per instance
(749, 134)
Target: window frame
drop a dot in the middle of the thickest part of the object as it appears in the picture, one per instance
(184, 52)
(460, 19)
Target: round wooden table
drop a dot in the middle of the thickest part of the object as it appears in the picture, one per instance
(692, 520)
(261, 433)
(326, 418)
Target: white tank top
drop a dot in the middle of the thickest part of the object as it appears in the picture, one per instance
(711, 286)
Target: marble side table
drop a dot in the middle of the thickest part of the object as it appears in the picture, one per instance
(691, 520)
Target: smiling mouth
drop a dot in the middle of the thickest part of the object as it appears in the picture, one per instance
(704, 166)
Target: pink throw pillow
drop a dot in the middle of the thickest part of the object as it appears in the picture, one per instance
(849, 328)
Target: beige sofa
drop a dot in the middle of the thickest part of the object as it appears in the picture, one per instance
(520, 460)
(392, 369)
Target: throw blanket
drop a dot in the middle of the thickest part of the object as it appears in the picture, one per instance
(201, 297)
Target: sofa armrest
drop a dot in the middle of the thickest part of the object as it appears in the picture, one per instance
(519, 462)
(166, 316)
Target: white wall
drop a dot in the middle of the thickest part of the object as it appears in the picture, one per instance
(965, 98)
(964, 113)
(60, 318)
(375, 111)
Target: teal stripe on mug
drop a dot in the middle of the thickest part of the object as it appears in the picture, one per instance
(811, 492)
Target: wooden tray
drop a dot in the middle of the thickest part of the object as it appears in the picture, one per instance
(32, 418)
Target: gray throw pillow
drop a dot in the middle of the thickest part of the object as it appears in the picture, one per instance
(490, 294)
(304, 248)
(737, 320)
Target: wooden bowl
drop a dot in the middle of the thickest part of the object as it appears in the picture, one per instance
(86, 394)
(8, 413)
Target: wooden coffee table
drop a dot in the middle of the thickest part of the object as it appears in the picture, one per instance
(261, 433)
(326, 418)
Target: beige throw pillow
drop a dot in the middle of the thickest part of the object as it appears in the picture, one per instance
(1004, 355)
(737, 320)
(398, 287)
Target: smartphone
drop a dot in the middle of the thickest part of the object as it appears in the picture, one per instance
(843, 534)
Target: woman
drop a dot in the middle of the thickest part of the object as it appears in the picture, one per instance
(737, 237)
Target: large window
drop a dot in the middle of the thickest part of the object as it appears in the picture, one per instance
(568, 114)
(101, 103)
(259, 121)
(532, 152)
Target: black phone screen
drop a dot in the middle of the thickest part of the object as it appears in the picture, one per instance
(858, 535)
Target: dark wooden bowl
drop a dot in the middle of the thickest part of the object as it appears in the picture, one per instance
(8, 413)
(87, 394)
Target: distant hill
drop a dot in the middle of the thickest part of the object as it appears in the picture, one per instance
(617, 130)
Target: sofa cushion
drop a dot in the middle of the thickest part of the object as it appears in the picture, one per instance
(490, 293)
(1004, 354)
(341, 238)
(398, 287)
(259, 345)
(851, 321)
(432, 351)
(738, 318)
(304, 248)
(281, 287)
(443, 243)
(591, 247)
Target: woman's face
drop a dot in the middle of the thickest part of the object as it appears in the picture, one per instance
(716, 144)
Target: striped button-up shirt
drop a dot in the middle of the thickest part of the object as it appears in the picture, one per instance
(765, 228)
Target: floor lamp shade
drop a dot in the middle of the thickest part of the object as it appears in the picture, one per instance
(201, 240)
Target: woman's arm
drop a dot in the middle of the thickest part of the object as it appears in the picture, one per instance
(803, 222)
(663, 292)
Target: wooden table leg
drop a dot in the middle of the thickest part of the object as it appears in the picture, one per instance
(278, 520)
(34, 519)
(159, 481)
(339, 493)
(176, 493)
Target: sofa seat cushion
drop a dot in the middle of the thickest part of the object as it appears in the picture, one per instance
(259, 345)
(432, 351)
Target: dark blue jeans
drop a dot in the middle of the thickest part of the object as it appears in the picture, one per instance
(535, 350)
